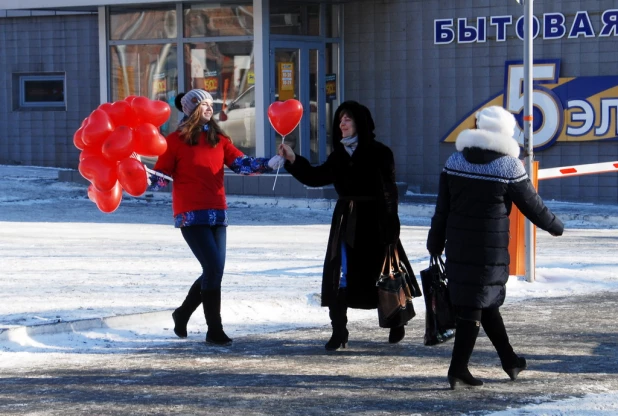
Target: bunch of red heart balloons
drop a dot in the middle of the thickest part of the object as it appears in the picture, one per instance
(110, 138)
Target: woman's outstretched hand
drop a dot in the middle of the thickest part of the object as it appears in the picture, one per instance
(286, 152)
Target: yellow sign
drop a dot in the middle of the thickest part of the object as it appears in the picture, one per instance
(159, 84)
(286, 80)
(331, 87)
(251, 78)
(211, 84)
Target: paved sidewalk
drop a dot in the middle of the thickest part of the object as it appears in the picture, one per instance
(571, 345)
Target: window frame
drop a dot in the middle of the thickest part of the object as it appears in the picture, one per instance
(22, 79)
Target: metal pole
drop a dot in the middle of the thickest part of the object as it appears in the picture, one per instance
(528, 130)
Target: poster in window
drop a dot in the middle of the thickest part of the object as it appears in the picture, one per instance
(286, 80)
(211, 82)
(331, 87)
(159, 86)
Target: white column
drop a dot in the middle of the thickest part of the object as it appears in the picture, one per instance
(261, 63)
(103, 57)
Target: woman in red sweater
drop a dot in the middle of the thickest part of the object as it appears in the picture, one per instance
(195, 157)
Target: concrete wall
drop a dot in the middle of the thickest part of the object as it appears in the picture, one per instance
(66, 44)
(418, 90)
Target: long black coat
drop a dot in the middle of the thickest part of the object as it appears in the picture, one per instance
(365, 215)
(477, 189)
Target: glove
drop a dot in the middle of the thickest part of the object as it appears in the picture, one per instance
(156, 183)
(276, 162)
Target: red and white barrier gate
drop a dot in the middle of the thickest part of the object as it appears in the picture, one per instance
(577, 170)
(516, 245)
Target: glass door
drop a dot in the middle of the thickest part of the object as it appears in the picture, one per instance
(297, 72)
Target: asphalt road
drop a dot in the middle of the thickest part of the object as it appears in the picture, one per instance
(570, 343)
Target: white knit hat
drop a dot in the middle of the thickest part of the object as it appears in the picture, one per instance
(192, 99)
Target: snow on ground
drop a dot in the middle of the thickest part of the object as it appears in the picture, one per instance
(62, 260)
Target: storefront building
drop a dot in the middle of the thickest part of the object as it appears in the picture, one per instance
(423, 67)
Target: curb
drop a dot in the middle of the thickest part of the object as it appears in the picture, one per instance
(9, 334)
(408, 209)
(607, 215)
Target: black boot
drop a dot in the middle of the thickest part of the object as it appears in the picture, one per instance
(496, 332)
(182, 314)
(338, 313)
(211, 300)
(396, 334)
(465, 338)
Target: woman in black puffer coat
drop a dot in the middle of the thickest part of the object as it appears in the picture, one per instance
(365, 220)
(478, 186)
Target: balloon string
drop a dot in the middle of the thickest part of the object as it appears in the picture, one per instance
(278, 167)
(159, 174)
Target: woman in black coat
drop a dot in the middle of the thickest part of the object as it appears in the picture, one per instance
(478, 186)
(365, 220)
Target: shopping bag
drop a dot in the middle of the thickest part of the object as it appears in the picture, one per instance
(394, 292)
(440, 315)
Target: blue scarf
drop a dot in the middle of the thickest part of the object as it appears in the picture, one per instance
(349, 144)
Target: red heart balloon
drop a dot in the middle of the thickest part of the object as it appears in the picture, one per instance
(122, 114)
(284, 116)
(147, 141)
(90, 151)
(97, 129)
(78, 139)
(107, 201)
(132, 176)
(105, 106)
(155, 112)
(119, 144)
(100, 171)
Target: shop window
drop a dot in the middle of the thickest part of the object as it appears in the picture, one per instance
(140, 22)
(206, 20)
(288, 19)
(41, 91)
(226, 71)
(145, 70)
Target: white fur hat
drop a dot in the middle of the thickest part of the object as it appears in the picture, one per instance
(495, 130)
(192, 99)
(496, 119)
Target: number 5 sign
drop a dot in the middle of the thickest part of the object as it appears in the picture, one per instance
(565, 109)
(548, 111)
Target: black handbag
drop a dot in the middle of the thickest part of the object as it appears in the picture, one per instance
(394, 292)
(440, 315)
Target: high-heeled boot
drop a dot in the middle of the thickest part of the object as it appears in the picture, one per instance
(183, 313)
(493, 325)
(465, 338)
(338, 313)
(211, 300)
(396, 334)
